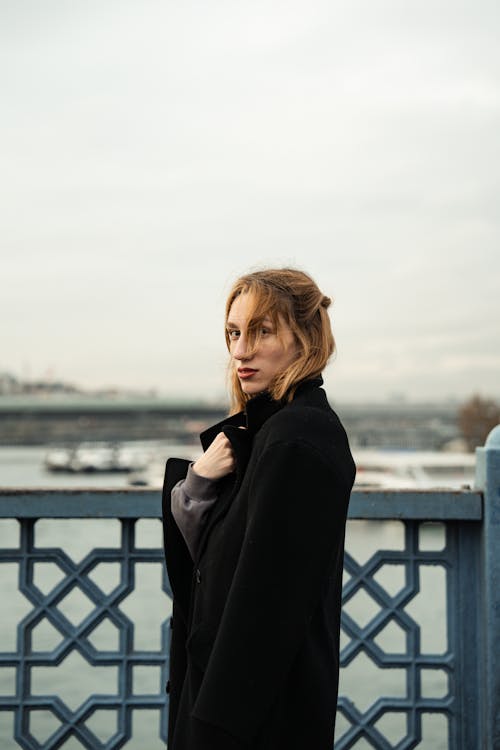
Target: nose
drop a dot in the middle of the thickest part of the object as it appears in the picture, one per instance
(241, 347)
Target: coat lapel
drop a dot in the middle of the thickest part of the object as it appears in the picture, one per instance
(241, 442)
(208, 436)
(240, 430)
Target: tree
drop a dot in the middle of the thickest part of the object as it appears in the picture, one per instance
(476, 418)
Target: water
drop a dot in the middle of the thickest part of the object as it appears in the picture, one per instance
(148, 607)
(23, 466)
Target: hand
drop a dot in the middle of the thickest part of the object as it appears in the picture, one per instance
(218, 459)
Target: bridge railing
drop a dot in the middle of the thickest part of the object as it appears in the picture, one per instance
(84, 629)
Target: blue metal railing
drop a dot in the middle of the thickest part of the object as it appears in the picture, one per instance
(468, 560)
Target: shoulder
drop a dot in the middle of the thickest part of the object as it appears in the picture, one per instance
(302, 452)
(307, 422)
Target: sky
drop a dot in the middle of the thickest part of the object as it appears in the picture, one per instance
(153, 151)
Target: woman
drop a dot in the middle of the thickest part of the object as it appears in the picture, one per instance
(254, 536)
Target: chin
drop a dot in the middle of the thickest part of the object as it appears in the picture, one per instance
(252, 389)
(248, 389)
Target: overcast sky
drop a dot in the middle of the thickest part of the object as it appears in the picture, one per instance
(153, 151)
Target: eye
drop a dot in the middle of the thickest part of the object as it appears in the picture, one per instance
(233, 334)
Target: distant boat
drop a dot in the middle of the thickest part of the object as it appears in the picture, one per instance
(87, 458)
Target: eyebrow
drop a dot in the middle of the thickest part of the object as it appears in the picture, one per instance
(230, 324)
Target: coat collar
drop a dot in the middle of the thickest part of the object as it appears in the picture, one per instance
(257, 411)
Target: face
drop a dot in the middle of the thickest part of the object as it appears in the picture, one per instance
(271, 356)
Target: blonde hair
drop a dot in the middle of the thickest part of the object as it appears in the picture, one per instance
(291, 297)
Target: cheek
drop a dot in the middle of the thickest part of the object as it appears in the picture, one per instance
(291, 349)
(284, 356)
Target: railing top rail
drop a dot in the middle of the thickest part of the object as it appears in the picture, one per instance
(429, 504)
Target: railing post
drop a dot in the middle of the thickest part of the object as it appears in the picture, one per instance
(488, 479)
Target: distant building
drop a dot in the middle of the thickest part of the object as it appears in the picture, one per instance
(11, 385)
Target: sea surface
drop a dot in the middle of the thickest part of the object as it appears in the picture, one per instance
(24, 466)
(74, 679)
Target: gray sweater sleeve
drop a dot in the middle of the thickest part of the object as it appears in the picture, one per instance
(191, 499)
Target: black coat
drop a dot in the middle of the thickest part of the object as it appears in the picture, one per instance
(256, 617)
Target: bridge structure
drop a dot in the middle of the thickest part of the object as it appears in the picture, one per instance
(33, 420)
(420, 664)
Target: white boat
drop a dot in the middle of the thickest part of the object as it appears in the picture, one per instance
(88, 458)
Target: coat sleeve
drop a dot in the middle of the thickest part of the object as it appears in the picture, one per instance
(295, 531)
(191, 500)
(177, 557)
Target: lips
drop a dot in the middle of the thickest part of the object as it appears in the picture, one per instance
(246, 372)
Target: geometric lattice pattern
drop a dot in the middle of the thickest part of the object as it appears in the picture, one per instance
(44, 721)
(419, 706)
(397, 652)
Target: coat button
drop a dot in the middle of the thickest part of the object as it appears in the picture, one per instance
(198, 575)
